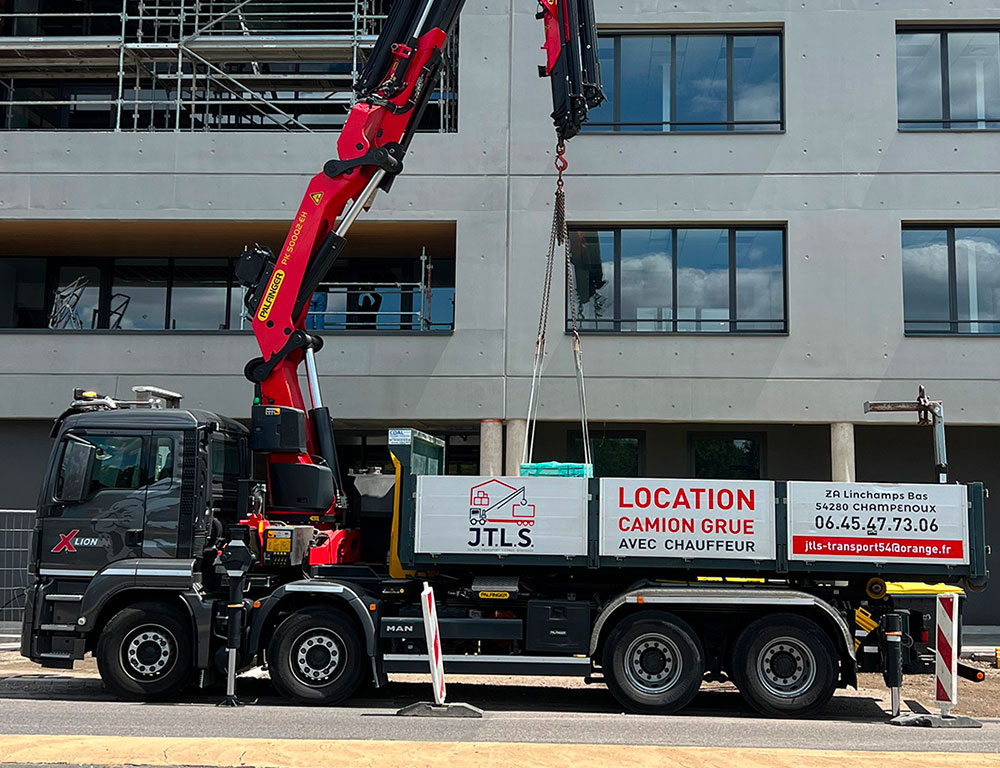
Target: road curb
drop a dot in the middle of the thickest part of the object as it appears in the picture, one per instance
(311, 753)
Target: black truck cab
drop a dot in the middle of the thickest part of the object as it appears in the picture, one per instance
(132, 496)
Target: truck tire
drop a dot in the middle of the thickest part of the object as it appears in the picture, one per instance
(653, 663)
(144, 653)
(317, 657)
(785, 666)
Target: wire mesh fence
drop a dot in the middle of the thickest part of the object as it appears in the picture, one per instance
(15, 545)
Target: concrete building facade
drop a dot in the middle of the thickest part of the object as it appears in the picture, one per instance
(836, 174)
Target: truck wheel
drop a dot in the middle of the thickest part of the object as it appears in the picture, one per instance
(653, 663)
(785, 666)
(144, 652)
(317, 657)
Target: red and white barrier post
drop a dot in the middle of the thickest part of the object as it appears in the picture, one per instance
(433, 634)
(946, 654)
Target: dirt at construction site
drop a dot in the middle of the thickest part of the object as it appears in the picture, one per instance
(975, 699)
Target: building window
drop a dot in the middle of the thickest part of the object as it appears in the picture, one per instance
(701, 82)
(678, 279)
(615, 454)
(948, 79)
(951, 280)
(719, 456)
(195, 294)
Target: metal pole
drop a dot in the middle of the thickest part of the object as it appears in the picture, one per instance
(892, 632)
(359, 205)
(180, 67)
(423, 18)
(121, 69)
(314, 393)
(940, 449)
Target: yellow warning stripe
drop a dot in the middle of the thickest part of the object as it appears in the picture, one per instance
(302, 753)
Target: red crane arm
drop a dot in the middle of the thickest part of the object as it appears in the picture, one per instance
(394, 88)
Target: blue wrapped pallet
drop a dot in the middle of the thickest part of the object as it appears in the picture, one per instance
(557, 469)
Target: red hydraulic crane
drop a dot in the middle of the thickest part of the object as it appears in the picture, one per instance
(393, 91)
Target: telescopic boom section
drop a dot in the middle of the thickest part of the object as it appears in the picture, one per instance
(571, 62)
(393, 92)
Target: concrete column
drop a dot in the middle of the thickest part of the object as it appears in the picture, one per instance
(490, 447)
(517, 432)
(842, 452)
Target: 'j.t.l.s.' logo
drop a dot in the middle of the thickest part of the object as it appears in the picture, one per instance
(70, 542)
(500, 516)
(271, 294)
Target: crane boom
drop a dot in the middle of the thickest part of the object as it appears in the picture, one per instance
(393, 91)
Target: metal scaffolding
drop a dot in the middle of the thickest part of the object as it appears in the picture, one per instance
(191, 65)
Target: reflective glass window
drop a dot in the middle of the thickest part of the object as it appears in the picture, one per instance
(926, 304)
(703, 279)
(948, 79)
(694, 82)
(701, 82)
(139, 294)
(669, 279)
(198, 294)
(22, 293)
(760, 280)
(951, 279)
(593, 254)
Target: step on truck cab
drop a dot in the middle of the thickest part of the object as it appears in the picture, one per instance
(139, 503)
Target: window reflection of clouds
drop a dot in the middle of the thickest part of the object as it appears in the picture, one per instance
(704, 284)
(977, 267)
(756, 90)
(702, 278)
(680, 82)
(971, 64)
(760, 288)
(646, 279)
(925, 276)
(701, 80)
(927, 300)
(918, 73)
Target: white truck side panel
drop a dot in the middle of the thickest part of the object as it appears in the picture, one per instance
(501, 515)
(878, 523)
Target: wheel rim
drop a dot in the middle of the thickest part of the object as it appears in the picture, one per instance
(653, 663)
(148, 652)
(786, 667)
(316, 656)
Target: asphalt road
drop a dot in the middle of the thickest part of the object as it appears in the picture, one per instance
(516, 713)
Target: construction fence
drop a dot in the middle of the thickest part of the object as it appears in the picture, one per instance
(16, 526)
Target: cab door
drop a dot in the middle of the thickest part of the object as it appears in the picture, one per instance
(162, 529)
(93, 509)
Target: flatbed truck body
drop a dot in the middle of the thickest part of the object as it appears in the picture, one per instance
(131, 575)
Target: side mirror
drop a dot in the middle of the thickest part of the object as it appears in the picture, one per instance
(76, 469)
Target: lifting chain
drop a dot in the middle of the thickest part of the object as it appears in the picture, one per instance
(558, 236)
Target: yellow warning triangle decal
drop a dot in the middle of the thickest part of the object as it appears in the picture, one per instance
(316, 197)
